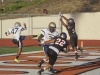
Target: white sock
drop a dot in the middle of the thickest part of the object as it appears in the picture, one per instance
(44, 59)
(44, 69)
(75, 51)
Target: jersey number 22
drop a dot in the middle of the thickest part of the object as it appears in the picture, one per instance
(60, 42)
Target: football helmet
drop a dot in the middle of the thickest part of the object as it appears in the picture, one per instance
(17, 24)
(52, 26)
(63, 35)
(71, 21)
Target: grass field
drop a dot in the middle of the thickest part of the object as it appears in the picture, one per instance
(7, 50)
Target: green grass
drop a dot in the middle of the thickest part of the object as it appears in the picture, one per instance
(7, 50)
(20, 4)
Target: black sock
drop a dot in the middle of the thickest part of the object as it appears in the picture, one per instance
(17, 57)
(41, 70)
(76, 53)
(41, 62)
(34, 35)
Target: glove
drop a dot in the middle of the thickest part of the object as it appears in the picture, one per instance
(60, 15)
(41, 43)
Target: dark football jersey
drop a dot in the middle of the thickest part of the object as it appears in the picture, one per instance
(60, 43)
(71, 30)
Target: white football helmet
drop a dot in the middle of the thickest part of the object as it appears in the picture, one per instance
(17, 24)
(52, 26)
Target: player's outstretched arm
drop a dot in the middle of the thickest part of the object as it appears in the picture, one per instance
(25, 25)
(62, 22)
(6, 33)
(50, 41)
(40, 36)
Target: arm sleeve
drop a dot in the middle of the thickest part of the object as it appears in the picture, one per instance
(23, 28)
(9, 31)
(40, 37)
(42, 32)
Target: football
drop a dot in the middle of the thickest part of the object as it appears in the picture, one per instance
(45, 11)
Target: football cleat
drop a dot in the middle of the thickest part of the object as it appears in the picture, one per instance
(16, 60)
(76, 56)
(39, 73)
(80, 48)
(54, 71)
(39, 66)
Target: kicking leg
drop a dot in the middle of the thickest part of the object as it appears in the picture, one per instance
(30, 36)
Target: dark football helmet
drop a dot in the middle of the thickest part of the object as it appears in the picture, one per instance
(71, 21)
(63, 35)
(52, 26)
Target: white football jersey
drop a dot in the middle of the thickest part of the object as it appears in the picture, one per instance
(16, 31)
(48, 35)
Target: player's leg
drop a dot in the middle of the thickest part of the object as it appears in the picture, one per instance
(23, 37)
(42, 61)
(78, 47)
(43, 69)
(52, 58)
(19, 43)
(30, 36)
(19, 51)
(73, 41)
(45, 48)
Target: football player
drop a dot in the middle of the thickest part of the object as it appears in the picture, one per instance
(17, 38)
(46, 35)
(70, 26)
(58, 44)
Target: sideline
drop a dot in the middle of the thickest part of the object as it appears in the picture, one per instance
(21, 53)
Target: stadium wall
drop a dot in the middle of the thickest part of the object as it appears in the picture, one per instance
(34, 42)
(87, 26)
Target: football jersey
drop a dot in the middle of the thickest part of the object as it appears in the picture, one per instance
(16, 31)
(71, 30)
(59, 44)
(48, 35)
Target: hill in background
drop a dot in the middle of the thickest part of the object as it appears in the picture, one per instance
(55, 6)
